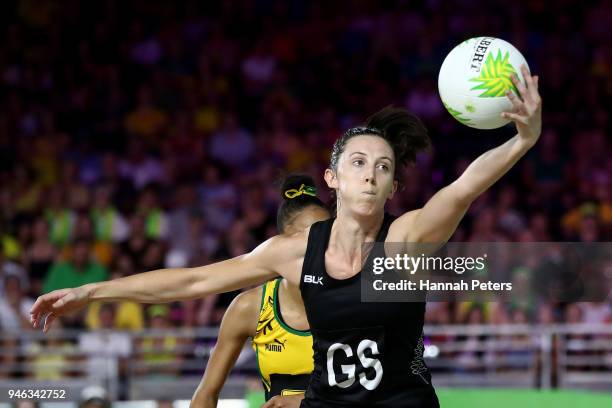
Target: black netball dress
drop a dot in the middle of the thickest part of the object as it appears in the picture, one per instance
(365, 354)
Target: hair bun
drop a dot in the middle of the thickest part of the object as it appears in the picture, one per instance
(403, 130)
(294, 183)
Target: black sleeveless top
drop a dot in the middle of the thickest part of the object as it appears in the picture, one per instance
(365, 354)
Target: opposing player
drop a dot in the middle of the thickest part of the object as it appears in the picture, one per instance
(281, 339)
(365, 354)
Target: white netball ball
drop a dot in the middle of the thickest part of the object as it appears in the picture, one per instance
(474, 78)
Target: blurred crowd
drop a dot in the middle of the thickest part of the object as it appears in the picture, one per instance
(148, 134)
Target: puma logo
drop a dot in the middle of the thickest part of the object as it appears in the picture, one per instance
(277, 346)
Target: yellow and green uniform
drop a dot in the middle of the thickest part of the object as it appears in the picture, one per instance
(284, 355)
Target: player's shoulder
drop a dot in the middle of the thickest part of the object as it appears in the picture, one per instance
(289, 244)
(243, 313)
(248, 301)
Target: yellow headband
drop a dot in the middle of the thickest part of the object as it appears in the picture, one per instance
(309, 190)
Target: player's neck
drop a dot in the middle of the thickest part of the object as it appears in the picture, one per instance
(290, 306)
(291, 296)
(350, 232)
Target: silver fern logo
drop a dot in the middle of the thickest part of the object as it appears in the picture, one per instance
(418, 366)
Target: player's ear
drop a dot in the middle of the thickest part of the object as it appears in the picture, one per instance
(330, 178)
(393, 190)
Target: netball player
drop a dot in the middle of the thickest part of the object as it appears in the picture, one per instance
(282, 342)
(365, 354)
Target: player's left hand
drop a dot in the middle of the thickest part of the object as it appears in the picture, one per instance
(58, 303)
(289, 401)
(527, 113)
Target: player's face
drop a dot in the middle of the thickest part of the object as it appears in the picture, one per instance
(364, 178)
(305, 219)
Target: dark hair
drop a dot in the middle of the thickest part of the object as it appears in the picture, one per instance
(297, 192)
(403, 130)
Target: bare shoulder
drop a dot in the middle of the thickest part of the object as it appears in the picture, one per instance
(401, 228)
(284, 254)
(293, 245)
(243, 313)
(282, 249)
(248, 300)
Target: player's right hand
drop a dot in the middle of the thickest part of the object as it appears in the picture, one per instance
(58, 303)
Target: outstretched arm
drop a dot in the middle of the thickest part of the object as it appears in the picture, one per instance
(278, 255)
(238, 324)
(440, 216)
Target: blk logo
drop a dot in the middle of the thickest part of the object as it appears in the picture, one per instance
(317, 280)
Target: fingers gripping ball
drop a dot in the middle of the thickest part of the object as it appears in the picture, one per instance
(474, 79)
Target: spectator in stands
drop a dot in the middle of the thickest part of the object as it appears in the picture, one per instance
(155, 218)
(485, 228)
(94, 396)
(10, 348)
(574, 315)
(546, 314)
(138, 243)
(499, 313)
(232, 145)
(256, 218)
(121, 185)
(158, 353)
(102, 251)
(52, 358)
(28, 189)
(39, 256)
(596, 312)
(184, 145)
(140, 167)
(60, 217)
(546, 169)
(146, 120)
(109, 224)
(539, 226)
(9, 245)
(471, 353)
(197, 245)
(510, 220)
(106, 349)
(185, 204)
(80, 269)
(14, 305)
(154, 257)
(218, 197)
(7, 268)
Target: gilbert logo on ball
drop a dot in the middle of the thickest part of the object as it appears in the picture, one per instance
(474, 78)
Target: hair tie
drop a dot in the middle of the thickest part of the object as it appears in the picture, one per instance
(308, 190)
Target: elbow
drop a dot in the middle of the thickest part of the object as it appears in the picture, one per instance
(197, 285)
(461, 196)
(463, 202)
(205, 399)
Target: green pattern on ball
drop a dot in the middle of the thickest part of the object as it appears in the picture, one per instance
(457, 115)
(494, 76)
